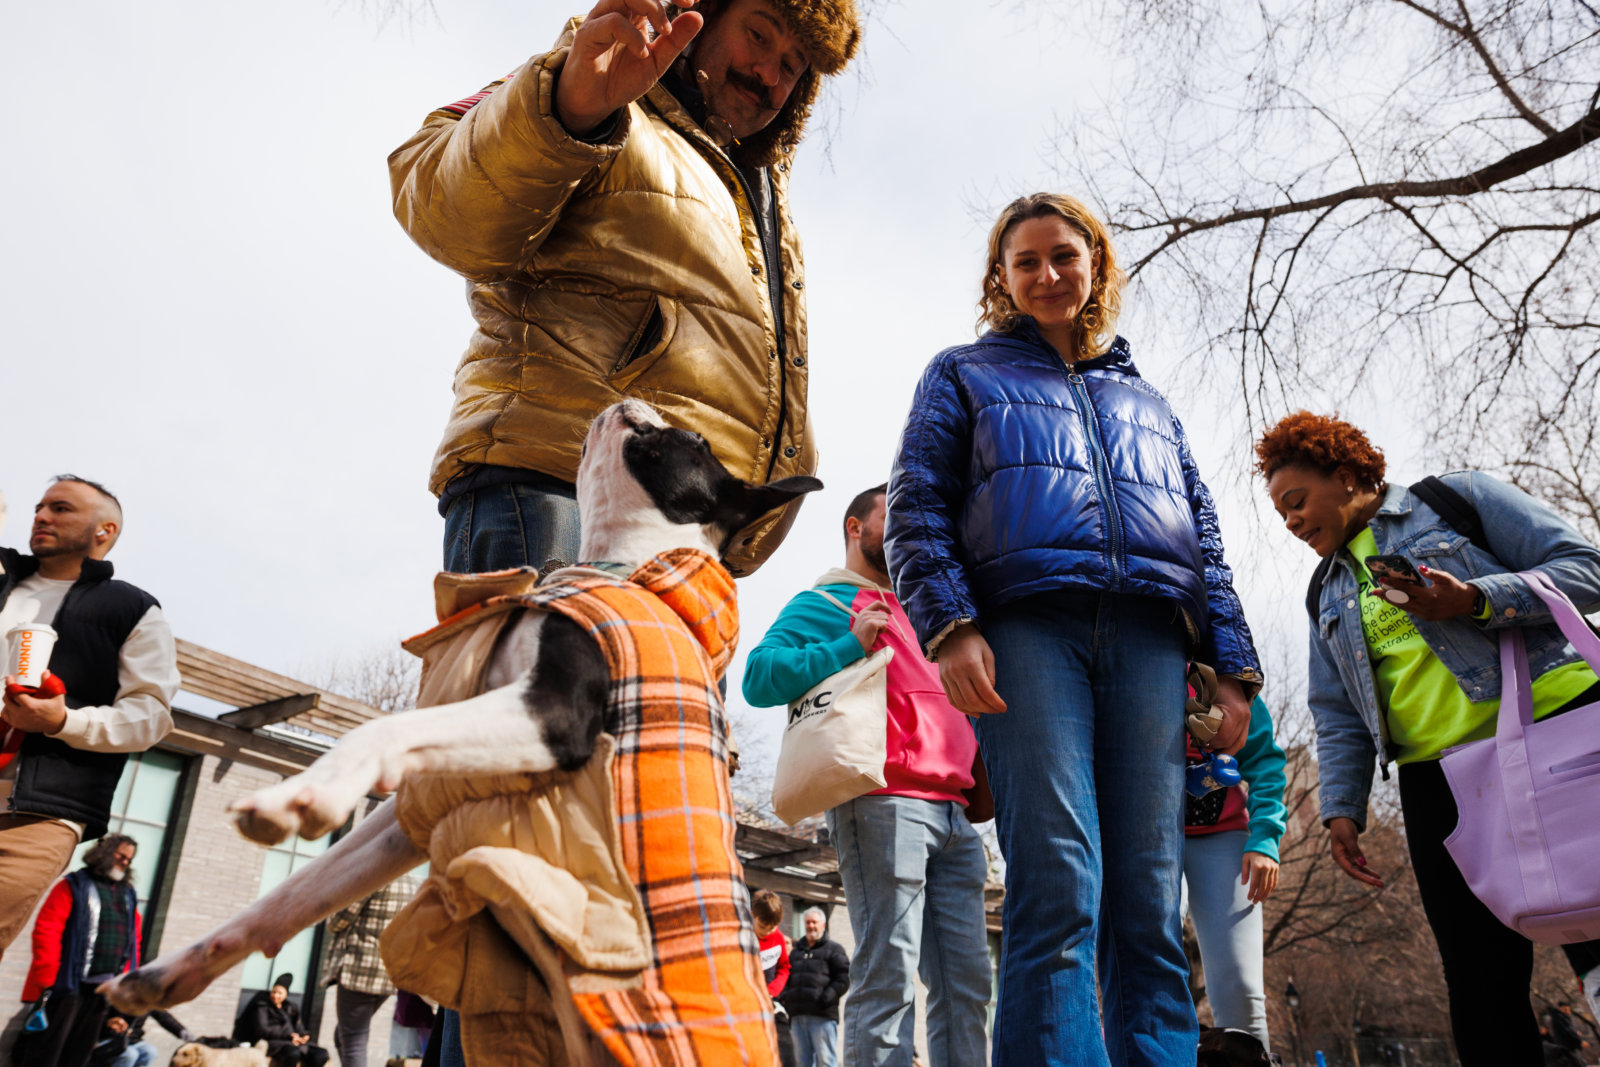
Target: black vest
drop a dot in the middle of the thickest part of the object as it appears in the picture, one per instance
(92, 624)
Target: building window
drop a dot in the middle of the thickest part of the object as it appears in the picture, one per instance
(299, 954)
(143, 808)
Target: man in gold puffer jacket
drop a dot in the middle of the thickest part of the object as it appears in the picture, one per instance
(619, 208)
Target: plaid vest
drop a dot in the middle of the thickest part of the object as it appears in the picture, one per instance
(668, 632)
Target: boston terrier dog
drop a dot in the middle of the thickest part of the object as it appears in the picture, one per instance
(643, 488)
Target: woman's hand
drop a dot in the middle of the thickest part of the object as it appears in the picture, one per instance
(1235, 729)
(966, 668)
(1346, 848)
(614, 62)
(1260, 873)
(1446, 598)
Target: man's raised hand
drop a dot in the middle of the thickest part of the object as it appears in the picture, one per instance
(614, 62)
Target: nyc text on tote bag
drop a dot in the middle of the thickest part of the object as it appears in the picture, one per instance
(834, 743)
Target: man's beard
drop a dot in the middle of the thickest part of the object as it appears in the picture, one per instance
(63, 547)
(111, 872)
(873, 554)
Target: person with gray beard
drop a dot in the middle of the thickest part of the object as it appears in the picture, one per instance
(87, 932)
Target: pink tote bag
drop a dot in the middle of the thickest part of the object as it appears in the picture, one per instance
(1528, 840)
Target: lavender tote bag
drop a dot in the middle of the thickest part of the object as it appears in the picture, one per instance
(1528, 841)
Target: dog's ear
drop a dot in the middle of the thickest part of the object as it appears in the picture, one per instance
(740, 503)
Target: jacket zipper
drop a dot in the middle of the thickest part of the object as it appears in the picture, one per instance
(767, 288)
(1102, 475)
(761, 240)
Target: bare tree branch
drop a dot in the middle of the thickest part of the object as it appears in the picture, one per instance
(1559, 144)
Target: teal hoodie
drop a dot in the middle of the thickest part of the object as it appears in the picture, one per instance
(1261, 765)
(930, 747)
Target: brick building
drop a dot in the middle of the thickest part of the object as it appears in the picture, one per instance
(193, 869)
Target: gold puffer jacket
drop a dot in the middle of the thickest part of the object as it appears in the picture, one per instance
(598, 272)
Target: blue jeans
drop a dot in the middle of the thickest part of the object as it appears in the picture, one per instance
(816, 1041)
(138, 1054)
(913, 874)
(501, 526)
(491, 529)
(1086, 766)
(1229, 929)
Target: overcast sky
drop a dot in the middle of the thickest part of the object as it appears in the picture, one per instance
(206, 303)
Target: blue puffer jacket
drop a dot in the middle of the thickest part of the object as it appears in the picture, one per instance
(1018, 475)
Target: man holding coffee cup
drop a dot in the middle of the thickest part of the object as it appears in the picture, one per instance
(113, 654)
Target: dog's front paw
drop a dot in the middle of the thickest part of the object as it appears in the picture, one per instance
(176, 979)
(316, 800)
(309, 804)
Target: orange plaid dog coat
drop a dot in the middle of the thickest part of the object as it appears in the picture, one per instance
(668, 631)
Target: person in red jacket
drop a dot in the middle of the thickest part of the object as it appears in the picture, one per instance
(766, 908)
(87, 932)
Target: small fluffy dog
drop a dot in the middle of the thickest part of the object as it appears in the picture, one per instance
(644, 490)
(193, 1055)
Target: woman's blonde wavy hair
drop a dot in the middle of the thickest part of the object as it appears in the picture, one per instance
(1097, 322)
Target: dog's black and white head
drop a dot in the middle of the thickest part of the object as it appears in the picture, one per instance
(645, 487)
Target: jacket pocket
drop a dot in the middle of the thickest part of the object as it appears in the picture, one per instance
(1440, 544)
(1327, 623)
(648, 340)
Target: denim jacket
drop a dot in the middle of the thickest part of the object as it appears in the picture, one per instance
(1525, 535)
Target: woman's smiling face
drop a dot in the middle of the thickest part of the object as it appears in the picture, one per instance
(1048, 270)
(1322, 509)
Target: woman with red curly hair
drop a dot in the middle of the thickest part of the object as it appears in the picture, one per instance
(1402, 670)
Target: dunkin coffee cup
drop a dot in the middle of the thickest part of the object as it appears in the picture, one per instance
(29, 645)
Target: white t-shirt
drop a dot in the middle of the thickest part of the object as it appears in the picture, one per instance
(35, 599)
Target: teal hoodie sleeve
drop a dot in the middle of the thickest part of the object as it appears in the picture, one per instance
(1261, 763)
(810, 640)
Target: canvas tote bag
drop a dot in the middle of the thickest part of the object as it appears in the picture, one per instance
(834, 743)
(1528, 841)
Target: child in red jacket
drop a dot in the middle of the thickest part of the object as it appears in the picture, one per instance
(766, 908)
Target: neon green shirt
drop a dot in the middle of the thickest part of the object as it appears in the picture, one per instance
(1427, 711)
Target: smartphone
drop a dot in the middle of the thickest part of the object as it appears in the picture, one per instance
(1397, 568)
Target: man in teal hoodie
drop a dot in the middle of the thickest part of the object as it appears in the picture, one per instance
(913, 867)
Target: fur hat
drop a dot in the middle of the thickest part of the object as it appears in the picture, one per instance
(831, 32)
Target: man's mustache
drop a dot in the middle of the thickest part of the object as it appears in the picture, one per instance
(752, 84)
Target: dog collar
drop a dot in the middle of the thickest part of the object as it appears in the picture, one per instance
(611, 567)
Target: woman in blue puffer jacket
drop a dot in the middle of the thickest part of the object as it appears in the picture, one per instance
(1055, 548)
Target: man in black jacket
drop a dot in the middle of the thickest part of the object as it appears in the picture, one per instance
(115, 654)
(819, 973)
